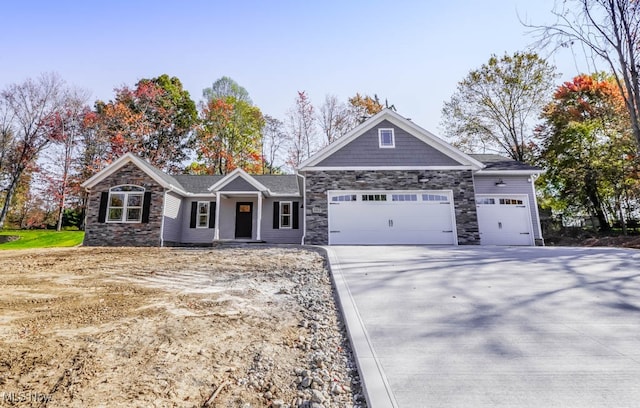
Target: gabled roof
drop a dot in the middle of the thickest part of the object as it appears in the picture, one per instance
(495, 163)
(156, 174)
(237, 173)
(403, 123)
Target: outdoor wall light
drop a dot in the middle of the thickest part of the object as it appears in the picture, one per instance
(423, 180)
(501, 183)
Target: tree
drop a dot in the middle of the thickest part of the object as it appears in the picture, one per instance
(301, 130)
(224, 87)
(494, 106)
(335, 119)
(29, 105)
(228, 137)
(153, 120)
(65, 128)
(587, 148)
(363, 107)
(610, 29)
(273, 139)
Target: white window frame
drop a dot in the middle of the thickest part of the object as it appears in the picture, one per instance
(380, 140)
(199, 214)
(289, 215)
(124, 219)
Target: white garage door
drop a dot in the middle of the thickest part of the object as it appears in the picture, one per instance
(391, 217)
(504, 220)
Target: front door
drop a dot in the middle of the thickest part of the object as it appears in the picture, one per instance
(244, 220)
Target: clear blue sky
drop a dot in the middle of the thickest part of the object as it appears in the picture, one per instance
(412, 53)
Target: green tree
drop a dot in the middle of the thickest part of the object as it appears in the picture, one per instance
(494, 106)
(155, 120)
(229, 136)
(587, 149)
(224, 87)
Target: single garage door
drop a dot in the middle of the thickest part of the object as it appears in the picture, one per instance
(504, 220)
(391, 217)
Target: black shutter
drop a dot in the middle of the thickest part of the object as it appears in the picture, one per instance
(102, 212)
(276, 214)
(212, 214)
(295, 215)
(146, 206)
(194, 214)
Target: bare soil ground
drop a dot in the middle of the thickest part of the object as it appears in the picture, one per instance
(157, 327)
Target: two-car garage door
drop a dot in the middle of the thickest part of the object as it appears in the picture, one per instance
(391, 217)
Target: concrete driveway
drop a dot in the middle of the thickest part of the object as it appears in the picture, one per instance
(493, 327)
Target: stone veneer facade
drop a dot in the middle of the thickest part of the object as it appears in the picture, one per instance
(317, 183)
(125, 234)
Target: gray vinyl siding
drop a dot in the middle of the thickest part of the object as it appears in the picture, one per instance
(194, 235)
(280, 236)
(172, 229)
(486, 184)
(408, 151)
(238, 184)
(228, 216)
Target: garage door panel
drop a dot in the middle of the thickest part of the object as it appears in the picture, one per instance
(504, 220)
(391, 222)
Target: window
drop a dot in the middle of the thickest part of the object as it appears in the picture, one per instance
(374, 197)
(486, 200)
(510, 201)
(344, 197)
(404, 197)
(434, 197)
(203, 214)
(285, 214)
(386, 139)
(125, 204)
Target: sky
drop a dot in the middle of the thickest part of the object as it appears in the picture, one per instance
(410, 52)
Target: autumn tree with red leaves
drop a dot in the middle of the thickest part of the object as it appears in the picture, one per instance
(153, 120)
(25, 109)
(228, 137)
(588, 150)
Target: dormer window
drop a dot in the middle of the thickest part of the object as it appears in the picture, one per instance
(386, 138)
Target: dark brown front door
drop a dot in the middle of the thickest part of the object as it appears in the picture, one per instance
(244, 219)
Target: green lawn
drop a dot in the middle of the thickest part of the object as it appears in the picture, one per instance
(42, 239)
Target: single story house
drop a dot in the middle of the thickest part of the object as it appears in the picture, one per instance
(388, 181)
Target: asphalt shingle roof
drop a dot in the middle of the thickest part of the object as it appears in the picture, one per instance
(497, 162)
(277, 184)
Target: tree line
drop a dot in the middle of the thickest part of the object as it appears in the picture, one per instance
(51, 140)
(584, 133)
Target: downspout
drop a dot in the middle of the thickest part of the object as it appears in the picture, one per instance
(304, 204)
(259, 221)
(535, 203)
(164, 208)
(216, 234)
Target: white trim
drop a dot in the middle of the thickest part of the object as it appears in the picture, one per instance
(401, 122)
(164, 209)
(304, 207)
(535, 208)
(259, 215)
(393, 168)
(280, 203)
(235, 174)
(523, 197)
(216, 233)
(125, 206)
(488, 172)
(208, 203)
(393, 139)
(120, 163)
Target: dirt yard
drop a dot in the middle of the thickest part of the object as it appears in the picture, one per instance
(232, 327)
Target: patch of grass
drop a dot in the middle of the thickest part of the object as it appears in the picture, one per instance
(42, 239)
